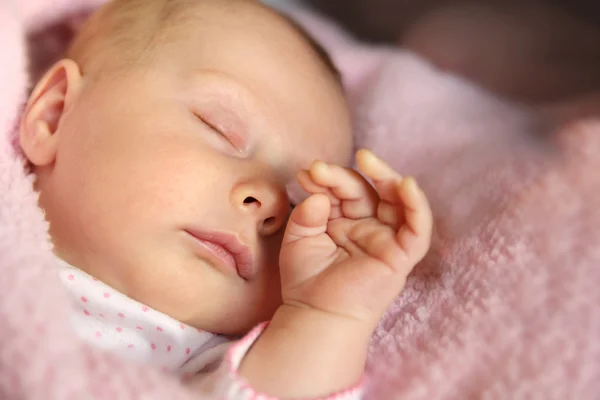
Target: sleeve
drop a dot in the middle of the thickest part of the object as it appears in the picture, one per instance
(225, 383)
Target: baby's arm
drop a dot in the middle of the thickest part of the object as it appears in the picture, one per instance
(305, 353)
(289, 363)
(346, 254)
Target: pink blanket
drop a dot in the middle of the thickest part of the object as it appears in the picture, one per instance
(506, 306)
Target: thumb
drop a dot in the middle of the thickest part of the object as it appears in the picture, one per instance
(308, 219)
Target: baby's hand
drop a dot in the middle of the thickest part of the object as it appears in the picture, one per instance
(349, 247)
(346, 253)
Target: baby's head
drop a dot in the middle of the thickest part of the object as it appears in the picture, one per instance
(174, 120)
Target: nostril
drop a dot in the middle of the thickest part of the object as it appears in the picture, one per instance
(269, 223)
(251, 200)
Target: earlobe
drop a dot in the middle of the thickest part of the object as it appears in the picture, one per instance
(40, 126)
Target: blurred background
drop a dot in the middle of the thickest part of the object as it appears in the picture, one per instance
(541, 52)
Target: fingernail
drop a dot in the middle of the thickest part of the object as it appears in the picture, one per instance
(417, 188)
(372, 156)
(320, 165)
(364, 152)
(411, 182)
(416, 183)
(381, 163)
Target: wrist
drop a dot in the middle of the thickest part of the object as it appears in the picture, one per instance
(302, 318)
(307, 353)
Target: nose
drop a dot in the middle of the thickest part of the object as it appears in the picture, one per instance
(266, 202)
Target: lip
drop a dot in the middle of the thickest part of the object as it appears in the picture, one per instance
(227, 249)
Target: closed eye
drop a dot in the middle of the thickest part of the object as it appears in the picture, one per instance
(215, 129)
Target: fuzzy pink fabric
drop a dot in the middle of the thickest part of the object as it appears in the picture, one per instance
(506, 306)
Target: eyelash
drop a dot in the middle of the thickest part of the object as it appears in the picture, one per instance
(215, 129)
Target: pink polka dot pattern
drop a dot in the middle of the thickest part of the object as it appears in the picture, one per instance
(186, 377)
(116, 322)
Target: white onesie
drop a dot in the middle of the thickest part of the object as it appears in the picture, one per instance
(107, 319)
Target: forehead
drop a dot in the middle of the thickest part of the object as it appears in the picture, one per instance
(290, 93)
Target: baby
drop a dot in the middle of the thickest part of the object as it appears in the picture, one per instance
(191, 158)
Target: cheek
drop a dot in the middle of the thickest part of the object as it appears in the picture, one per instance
(117, 176)
(156, 183)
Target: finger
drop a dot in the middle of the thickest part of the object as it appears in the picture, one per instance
(379, 242)
(390, 215)
(383, 176)
(308, 184)
(308, 219)
(385, 179)
(415, 235)
(356, 196)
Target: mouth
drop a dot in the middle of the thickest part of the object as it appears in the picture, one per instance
(227, 250)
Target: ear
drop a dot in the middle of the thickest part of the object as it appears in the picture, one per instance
(40, 125)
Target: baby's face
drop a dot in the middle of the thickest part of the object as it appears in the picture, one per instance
(202, 143)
